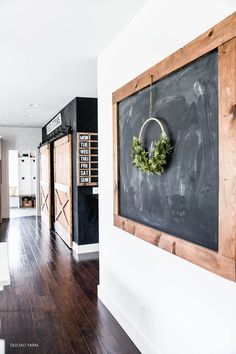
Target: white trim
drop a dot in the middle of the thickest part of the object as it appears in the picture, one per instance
(63, 233)
(93, 247)
(2, 344)
(45, 218)
(4, 269)
(95, 190)
(44, 184)
(62, 187)
(142, 343)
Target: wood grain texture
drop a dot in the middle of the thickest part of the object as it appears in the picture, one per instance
(52, 300)
(213, 38)
(223, 262)
(63, 199)
(198, 255)
(115, 160)
(227, 148)
(62, 141)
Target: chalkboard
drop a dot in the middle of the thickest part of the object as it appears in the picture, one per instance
(184, 200)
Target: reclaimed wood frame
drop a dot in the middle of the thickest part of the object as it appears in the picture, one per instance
(223, 262)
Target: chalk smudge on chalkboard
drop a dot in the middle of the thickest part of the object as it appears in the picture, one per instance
(184, 200)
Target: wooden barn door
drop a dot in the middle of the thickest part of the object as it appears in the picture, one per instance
(45, 185)
(63, 189)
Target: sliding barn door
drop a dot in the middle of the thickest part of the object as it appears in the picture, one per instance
(45, 185)
(63, 189)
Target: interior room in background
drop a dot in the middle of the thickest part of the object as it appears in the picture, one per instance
(22, 183)
(117, 177)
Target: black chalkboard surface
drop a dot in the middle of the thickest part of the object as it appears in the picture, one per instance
(184, 200)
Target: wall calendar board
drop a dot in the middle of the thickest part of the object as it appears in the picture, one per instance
(87, 159)
(190, 210)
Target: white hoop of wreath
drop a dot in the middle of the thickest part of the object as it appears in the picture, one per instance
(152, 162)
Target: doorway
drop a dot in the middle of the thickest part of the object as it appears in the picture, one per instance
(22, 183)
(62, 158)
(56, 187)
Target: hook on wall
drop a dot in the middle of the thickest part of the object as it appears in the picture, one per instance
(150, 96)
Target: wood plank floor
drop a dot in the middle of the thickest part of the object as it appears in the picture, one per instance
(51, 305)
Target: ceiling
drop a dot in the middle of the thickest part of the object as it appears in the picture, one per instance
(48, 53)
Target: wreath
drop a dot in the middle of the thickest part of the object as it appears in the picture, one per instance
(155, 160)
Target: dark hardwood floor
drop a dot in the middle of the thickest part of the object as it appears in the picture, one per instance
(51, 305)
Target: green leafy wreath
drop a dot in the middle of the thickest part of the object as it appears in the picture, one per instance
(155, 160)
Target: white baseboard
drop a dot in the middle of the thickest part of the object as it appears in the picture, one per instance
(93, 247)
(2, 346)
(126, 323)
(4, 270)
(63, 233)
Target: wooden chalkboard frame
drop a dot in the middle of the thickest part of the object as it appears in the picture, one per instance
(221, 37)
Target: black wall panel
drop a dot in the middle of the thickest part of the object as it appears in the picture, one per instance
(80, 115)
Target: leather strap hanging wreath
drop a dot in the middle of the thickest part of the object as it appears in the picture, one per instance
(155, 160)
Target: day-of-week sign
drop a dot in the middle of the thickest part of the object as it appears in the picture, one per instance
(83, 137)
(84, 180)
(84, 158)
(84, 165)
(84, 144)
(88, 159)
(84, 172)
(54, 124)
(84, 152)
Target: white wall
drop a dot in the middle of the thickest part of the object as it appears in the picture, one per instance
(15, 138)
(13, 169)
(166, 304)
